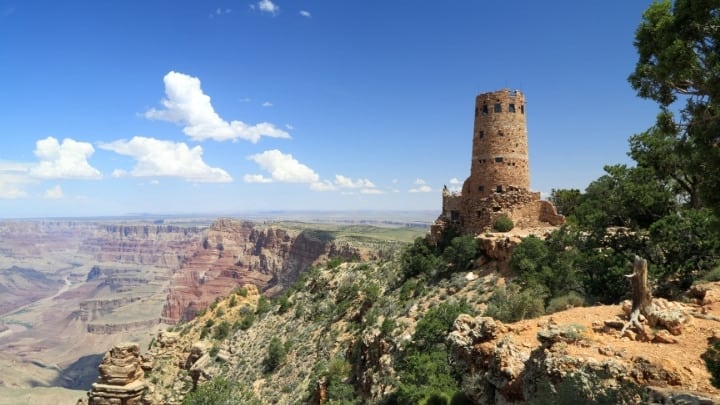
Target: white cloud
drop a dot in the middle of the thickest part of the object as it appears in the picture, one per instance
(284, 168)
(64, 161)
(305, 13)
(156, 158)
(290, 127)
(422, 187)
(454, 180)
(268, 6)
(267, 104)
(371, 191)
(53, 193)
(346, 182)
(187, 105)
(256, 178)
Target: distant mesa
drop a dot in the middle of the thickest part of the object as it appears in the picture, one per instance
(499, 181)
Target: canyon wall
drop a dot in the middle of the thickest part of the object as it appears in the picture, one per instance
(234, 253)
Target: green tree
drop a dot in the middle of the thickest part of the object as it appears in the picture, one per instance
(461, 252)
(419, 258)
(624, 196)
(565, 200)
(685, 246)
(679, 67)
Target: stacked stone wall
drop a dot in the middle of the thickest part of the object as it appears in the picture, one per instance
(500, 147)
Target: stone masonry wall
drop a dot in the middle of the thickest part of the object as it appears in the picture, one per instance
(499, 181)
(500, 146)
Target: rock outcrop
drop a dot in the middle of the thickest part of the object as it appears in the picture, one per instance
(501, 365)
(121, 377)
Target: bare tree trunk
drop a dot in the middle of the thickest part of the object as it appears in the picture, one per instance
(641, 295)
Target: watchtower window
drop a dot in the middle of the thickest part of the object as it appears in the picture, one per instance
(500, 133)
(485, 109)
(511, 108)
(522, 109)
(481, 134)
(498, 159)
(498, 107)
(481, 189)
(499, 189)
(455, 216)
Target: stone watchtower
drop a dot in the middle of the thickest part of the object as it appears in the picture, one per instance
(500, 146)
(499, 181)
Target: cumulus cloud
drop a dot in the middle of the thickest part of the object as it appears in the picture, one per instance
(66, 160)
(422, 187)
(157, 158)
(186, 104)
(284, 167)
(346, 182)
(267, 104)
(53, 193)
(454, 180)
(305, 13)
(268, 6)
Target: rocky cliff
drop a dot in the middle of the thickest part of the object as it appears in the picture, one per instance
(234, 253)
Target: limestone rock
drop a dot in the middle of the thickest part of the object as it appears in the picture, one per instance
(121, 377)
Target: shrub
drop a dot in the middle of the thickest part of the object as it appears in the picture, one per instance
(511, 304)
(219, 390)
(275, 355)
(712, 363)
(285, 304)
(247, 321)
(712, 275)
(437, 322)
(503, 223)
(222, 330)
(242, 291)
(263, 305)
(461, 252)
(418, 258)
(232, 301)
(567, 301)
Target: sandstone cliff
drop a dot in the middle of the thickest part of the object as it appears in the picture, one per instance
(235, 253)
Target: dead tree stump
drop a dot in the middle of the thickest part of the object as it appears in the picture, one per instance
(641, 297)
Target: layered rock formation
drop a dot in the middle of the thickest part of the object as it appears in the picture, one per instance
(121, 377)
(235, 253)
(556, 363)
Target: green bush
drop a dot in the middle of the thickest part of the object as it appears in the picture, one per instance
(712, 275)
(712, 363)
(263, 305)
(418, 258)
(275, 355)
(511, 304)
(242, 291)
(220, 390)
(503, 223)
(563, 302)
(434, 326)
(221, 331)
(461, 252)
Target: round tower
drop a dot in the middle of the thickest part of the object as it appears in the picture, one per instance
(500, 147)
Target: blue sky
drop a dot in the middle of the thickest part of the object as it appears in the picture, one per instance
(189, 106)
